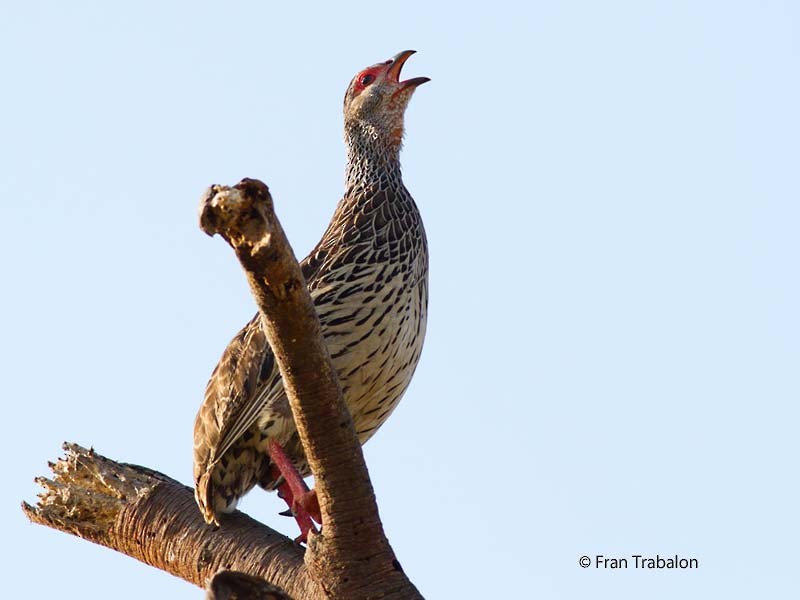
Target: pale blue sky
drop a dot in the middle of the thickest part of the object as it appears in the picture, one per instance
(611, 196)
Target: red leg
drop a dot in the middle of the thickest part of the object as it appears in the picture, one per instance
(295, 492)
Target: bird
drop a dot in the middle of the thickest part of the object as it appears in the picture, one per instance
(368, 279)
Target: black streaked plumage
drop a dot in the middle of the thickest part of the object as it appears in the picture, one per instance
(368, 277)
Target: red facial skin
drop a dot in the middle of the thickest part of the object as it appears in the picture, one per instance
(388, 72)
(387, 75)
(373, 72)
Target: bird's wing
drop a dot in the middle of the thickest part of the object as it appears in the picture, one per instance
(237, 392)
(243, 383)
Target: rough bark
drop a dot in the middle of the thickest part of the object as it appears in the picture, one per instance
(153, 518)
(351, 558)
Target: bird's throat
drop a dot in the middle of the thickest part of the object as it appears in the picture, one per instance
(373, 156)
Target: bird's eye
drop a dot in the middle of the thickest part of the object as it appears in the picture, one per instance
(367, 79)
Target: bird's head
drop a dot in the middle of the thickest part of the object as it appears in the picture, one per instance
(376, 100)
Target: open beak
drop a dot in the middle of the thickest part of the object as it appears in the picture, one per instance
(397, 65)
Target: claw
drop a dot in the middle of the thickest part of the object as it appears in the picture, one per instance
(308, 502)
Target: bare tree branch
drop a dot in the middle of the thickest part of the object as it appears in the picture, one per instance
(352, 540)
(153, 518)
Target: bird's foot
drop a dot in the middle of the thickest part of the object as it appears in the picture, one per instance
(298, 510)
(308, 502)
(302, 501)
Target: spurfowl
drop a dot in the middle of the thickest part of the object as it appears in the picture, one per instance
(368, 277)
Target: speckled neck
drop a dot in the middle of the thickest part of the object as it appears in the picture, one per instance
(373, 158)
